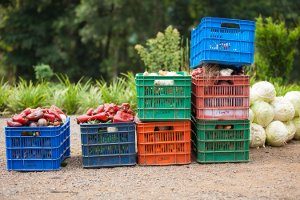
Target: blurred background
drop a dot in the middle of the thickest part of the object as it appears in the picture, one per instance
(96, 38)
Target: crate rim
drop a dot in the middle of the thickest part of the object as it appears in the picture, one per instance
(203, 19)
(107, 124)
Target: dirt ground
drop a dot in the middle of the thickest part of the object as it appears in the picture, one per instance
(272, 173)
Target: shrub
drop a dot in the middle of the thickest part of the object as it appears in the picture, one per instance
(162, 52)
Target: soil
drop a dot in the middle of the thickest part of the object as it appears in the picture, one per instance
(272, 173)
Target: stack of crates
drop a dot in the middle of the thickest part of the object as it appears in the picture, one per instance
(220, 125)
(164, 108)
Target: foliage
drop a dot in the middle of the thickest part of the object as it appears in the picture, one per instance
(43, 72)
(162, 52)
(275, 49)
(26, 94)
(4, 94)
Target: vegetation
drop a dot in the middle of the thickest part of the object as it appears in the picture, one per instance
(97, 38)
(276, 46)
(72, 98)
(162, 52)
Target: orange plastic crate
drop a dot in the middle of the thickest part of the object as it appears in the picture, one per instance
(164, 143)
(213, 100)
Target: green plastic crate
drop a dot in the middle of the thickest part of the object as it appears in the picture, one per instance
(213, 143)
(164, 98)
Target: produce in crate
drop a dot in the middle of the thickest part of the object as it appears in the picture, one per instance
(108, 112)
(52, 116)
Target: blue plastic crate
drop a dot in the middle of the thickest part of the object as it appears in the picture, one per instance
(108, 145)
(37, 153)
(222, 41)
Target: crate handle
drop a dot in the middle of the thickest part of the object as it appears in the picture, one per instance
(108, 129)
(230, 25)
(224, 127)
(31, 133)
(163, 128)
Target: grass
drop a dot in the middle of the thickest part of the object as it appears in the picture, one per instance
(73, 98)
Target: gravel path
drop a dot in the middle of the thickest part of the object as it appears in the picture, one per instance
(273, 173)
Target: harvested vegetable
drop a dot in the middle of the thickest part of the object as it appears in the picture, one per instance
(263, 91)
(277, 134)
(291, 128)
(294, 98)
(263, 113)
(257, 136)
(296, 122)
(283, 109)
(109, 112)
(38, 117)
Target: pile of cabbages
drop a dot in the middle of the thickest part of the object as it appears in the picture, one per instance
(274, 120)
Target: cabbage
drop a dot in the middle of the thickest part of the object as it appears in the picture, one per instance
(294, 98)
(296, 122)
(291, 128)
(253, 96)
(264, 91)
(283, 109)
(263, 113)
(277, 134)
(251, 115)
(257, 135)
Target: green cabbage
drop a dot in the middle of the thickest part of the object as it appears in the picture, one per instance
(277, 134)
(257, 135)
(294, 98)
(263, 113)
(291, 128)
(283, 109)
(296, 122)
(251, 115)
(264, 91)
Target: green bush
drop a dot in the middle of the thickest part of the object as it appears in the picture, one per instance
(162, 52)
(43, 72)
(275, 49)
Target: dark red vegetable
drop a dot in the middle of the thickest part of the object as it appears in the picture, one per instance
(100, 116)
(19, 118)
(90, 112)
(56, 109)
(122, 116)
(13, 124)
(49, 117)
(53, 112)
(125, 107)
(35, 116)
(99, 109)
(83, 119)
(26, 112)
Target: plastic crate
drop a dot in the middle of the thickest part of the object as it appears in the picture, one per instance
(213, 143)
(37, 153)
(159, 102)
(222, 41)
(108, 145)
(227, 102)
(164, 143)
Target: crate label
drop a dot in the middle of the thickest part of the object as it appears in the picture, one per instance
(163, 82)
(220, 113)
